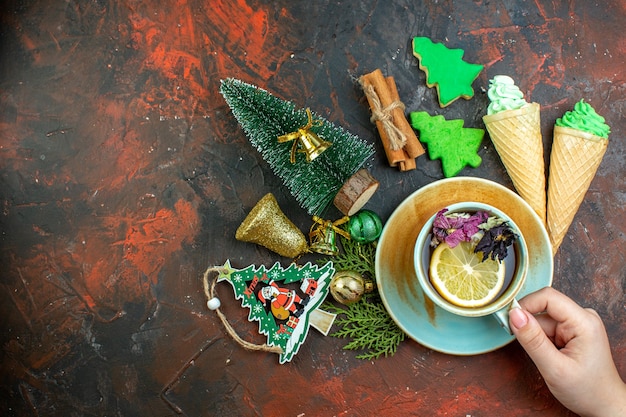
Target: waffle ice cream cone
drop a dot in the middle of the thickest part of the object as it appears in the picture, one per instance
(574, 161)
(516, 134)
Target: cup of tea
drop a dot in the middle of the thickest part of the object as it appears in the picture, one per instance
(497, 239)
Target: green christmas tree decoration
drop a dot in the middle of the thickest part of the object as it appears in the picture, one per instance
(284, 313)
(449, 141)
(265, 118)
(446, 70)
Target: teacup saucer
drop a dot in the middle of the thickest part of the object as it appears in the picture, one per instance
(401, 294)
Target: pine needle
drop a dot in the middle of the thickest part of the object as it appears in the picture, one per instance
(356, 257)
(366, 322)
(369, 326)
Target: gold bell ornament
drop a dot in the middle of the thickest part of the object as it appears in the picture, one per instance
(311, 144)
(348, 287)
(268, 226)
(323, 235)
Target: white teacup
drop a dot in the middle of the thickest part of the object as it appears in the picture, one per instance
(516, 266)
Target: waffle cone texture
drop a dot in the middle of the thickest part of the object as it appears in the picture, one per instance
(574, 160)
(516, 135)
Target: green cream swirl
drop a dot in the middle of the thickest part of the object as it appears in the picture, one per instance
(585, 118)
(504, 95)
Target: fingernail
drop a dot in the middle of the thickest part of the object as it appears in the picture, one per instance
(518, 318)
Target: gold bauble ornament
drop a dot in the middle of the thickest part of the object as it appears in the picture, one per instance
(348, 287)
(268, 226)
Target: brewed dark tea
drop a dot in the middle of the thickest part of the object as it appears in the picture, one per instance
(472, 259)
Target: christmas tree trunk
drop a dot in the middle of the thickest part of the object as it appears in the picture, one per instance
(315, 183)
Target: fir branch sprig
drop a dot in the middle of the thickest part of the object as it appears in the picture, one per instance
(370, 327)
(357, 257)
(366, 322)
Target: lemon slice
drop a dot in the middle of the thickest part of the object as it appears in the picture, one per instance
(462, 279)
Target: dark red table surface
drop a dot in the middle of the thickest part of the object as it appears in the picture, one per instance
(124, 176)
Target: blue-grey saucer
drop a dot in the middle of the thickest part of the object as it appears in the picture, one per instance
(397, 284)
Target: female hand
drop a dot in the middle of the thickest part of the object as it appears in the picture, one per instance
(571, 349)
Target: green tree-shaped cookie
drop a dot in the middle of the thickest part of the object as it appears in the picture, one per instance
(448, 140)
(446, 70)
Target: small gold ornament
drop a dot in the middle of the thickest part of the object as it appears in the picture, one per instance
(348, 287)
(323, 235)
(311, 144)
(268, 226)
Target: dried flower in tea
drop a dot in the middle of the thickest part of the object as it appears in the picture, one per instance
(491, 234)
(495, 242)
(454, 228)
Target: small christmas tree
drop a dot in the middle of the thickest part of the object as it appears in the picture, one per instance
(265, 118)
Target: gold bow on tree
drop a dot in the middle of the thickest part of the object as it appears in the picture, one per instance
(311, 144)
(323, 235)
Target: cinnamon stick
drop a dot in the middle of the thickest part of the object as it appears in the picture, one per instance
(397, 136)
(408, 164)
(412, 147)
(394, 156)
